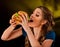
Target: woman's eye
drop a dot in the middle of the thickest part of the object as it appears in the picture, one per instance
(37, 15)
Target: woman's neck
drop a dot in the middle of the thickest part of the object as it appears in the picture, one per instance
(38, 28)
(37, 31)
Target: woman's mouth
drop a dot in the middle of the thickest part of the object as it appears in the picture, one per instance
(31, 20)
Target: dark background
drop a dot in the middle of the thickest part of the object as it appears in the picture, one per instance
(8, 7)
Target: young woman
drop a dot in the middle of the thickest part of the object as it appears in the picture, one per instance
(38, 31)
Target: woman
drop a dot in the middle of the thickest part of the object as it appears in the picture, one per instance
(38, 31)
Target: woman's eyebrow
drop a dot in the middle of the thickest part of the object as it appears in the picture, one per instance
(38, 12)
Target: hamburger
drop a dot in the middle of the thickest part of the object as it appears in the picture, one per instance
(17, 18)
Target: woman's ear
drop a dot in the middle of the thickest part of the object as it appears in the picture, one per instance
(44, 22)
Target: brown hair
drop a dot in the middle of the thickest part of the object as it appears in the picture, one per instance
(47, 15)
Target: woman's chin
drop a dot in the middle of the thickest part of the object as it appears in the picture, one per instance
(31, 25)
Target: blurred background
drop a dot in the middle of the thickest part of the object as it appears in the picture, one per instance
(9, 7)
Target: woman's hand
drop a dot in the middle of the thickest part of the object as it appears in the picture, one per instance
(24, 18)
(12, 22)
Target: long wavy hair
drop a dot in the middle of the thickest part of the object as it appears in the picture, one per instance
(47, 15)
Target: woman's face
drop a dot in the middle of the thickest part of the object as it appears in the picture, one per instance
(36, 18)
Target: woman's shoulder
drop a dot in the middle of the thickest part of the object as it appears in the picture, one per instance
(51, 32)
(51, 35)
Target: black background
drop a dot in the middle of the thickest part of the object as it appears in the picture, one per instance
(5, 14)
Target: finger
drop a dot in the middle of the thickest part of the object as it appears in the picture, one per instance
(10, 21)
(21, 16)
(14, 23)
(26, 15)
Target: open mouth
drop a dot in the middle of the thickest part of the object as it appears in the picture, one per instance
(30, 20)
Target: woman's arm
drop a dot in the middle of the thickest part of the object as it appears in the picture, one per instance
(47, 43)
(7, 32)
(10, 33)
(35, 43)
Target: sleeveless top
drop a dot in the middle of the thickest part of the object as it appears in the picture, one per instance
(50, 35)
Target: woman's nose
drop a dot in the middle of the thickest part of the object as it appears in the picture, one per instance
(32, 16)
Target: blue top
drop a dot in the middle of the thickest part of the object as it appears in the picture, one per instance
(49, 35)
